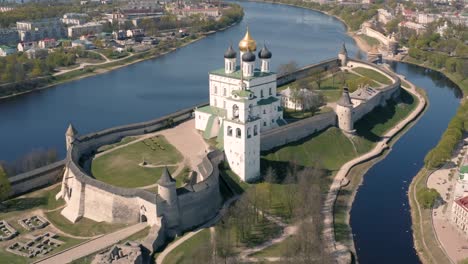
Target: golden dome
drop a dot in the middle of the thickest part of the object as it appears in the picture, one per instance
(247, 43)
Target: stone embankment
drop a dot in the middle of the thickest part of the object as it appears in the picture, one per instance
(340, 252)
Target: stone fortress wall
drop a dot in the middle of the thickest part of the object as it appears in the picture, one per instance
(196, 204)
(93, 199)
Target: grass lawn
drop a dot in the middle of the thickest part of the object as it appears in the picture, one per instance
(41, 199)
(120, 167)
(10, 258)
(369, 40)
(276, 250)
(124, 140)
(381, 119)
(330, 147)
(183, 253)
(374, 75)
(84, 227)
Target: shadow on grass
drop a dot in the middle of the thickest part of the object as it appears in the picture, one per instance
(381, 115)
(22, 204)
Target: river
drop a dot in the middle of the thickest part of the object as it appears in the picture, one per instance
(150, 89)
(380, 216)
(157, 87)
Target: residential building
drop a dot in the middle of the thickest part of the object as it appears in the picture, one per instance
(426, 18)
(40, 29)
(383, 16)
(88, 28)
(36, 53)
(412, 25)
(24, 46)
(296, 100)
(460, 215)
(75, 18)
(9, 36)
(85, 44)
(47, 43)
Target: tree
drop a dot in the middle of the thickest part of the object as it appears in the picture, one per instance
(287, 68)
(5, 187)
(427, 197)
(318, 77)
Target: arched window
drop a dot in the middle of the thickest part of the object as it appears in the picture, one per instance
(224, 91)
(238, 133)
(216, 89)
(270, 91)
(249, 133)
(229, 131)
(235, 111)
(255, 130)
(264, 123)
(250, 110)
(261, 93)
(264, 111)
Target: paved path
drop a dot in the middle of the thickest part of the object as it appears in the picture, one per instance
(340, 251)
(93, 245)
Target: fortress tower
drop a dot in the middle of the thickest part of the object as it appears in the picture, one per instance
(344, 111)
(167, 191)
(243, 103)
(343, 56)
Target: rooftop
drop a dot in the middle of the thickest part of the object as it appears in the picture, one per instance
(463, 202)
(267, 101)
(213, 110)
(237, 74)
(364, 93)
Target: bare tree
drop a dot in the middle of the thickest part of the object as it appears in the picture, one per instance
(318, 78)
(287, 68)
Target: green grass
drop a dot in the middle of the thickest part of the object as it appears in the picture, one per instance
(84, 227)
(124, 141)
(330, 147)
(374, 75)
(120, 167)
(182, 254)
(10, 258)
(276, 250)
(381, 119)
(41, 199)
(369, 40)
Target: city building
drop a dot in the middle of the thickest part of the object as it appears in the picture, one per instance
(383, 16)
(243, 103)
(204, 11)
(461, 186)
(296, 100)
(40, 29)
(75, 18)
(412, 25)
(5, 51)
(85, 29)
(36, 53)
(47, 43)
(460, 215)
(424, 18)
(85, 44)
(24, 46)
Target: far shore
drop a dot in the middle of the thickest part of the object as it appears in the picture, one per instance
(105, 70)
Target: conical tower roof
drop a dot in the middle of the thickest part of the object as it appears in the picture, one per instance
(166, 177)
(345, 99)
(71, 131)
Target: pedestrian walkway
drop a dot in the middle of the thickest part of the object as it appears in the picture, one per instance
(93, 246)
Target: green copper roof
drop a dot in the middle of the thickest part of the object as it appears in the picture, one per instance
(267, 101)
(212, 110)
(237, 74)
(243, 93)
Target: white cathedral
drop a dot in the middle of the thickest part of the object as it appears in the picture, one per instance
(243, 103)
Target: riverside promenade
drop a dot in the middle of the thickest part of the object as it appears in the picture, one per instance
(340, 252)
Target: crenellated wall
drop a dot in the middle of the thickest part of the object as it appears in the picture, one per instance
(307, 71)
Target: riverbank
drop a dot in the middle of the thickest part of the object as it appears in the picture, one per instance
(93, 70)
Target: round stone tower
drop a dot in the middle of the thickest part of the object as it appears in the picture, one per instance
(167, 191)
(344, 111)
(343, 56)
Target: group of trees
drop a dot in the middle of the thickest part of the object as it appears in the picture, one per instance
(32, 11)
(427, 197)
(451, 137)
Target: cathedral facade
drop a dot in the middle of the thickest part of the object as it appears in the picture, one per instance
(243, 103)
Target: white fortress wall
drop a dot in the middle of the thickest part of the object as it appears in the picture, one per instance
(375, 34)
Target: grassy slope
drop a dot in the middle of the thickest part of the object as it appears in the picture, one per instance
(188, 248)
(374, 75)
(120, 167)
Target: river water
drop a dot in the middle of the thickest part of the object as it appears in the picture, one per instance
(150, 89)
(157, 87)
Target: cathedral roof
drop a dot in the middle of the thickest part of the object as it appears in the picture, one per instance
(264, 53)
(248, 57)
(230, 53)
(345, 100)
(166, 177)
(247, 43)
(71, 131)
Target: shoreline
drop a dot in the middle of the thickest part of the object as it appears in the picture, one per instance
(103, 70)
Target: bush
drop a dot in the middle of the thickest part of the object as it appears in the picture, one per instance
(427, 197)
